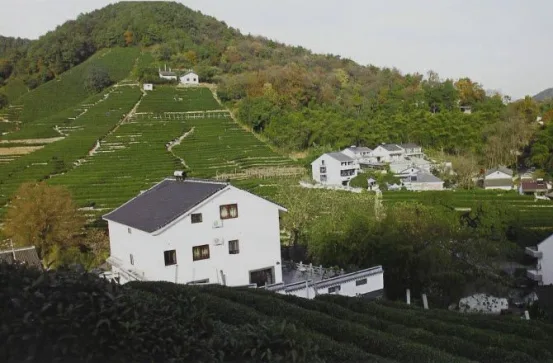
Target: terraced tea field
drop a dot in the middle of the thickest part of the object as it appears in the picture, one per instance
(349, 329)
(535, 214)
(68, 90)
(82, 134)
(175, 99)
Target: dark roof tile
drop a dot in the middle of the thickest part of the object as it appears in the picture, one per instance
(163, 203)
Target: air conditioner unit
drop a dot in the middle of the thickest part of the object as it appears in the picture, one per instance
(217, 224)
(218, 241)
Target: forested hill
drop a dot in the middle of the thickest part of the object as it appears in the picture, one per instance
(298, 100)
(543, 95)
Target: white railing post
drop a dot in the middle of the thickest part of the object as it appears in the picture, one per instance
(408, 296)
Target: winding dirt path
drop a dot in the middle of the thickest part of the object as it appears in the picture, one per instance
(177, 142)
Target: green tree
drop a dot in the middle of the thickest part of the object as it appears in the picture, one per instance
(3, 100)
(97, 79)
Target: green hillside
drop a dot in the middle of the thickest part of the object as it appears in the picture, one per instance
(64, 316)
(68, 90)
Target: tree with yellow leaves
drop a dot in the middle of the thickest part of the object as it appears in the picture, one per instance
(43, 216)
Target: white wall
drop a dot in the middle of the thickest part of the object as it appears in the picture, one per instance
(333, 170)
(382, 155)
(546, 261)
(498, 175)
(256, 228)
(168, 77)
(189, 79)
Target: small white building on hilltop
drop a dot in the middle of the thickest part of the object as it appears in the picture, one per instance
(148, 87)
(334, 169)
(190, 78)
(542, 272)
(196, 231)
(500, 178)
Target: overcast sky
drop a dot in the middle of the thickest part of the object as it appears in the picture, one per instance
(502, 44)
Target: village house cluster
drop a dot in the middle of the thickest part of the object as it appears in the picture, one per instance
(188, 78)
(407, 162)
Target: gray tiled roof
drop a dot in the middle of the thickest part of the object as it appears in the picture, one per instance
(359, 149)
(341, 157)
(392, 147)
(409, 145)
(427, 177)
(27, 255)
(500, 169)
(163, 203)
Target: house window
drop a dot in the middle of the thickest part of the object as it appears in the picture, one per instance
(323, 178)
(170, 257)
(200, 252)
(194, 79)
(188, 79)
(233, 246)
(128, 230)
(228, 211)
(196, 218)
(361, 282)
(322, 169)
(322, 162)
(131, 259)
(333, 289)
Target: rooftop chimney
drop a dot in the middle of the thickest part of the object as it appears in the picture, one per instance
(180, 175)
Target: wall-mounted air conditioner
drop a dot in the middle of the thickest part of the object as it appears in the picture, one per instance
(217, 224)
(219, 241)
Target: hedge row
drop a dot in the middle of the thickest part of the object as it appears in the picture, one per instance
(69, 317)
(232, 313)
(506, 324)
(450, 344)
(534, 348)
(373, 341)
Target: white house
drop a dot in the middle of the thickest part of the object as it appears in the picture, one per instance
(412, 150)
(542, 273)
(334, 169)
(190, 78)
(366, 282)
(387, 153)
(499, 178)
(422, 181)
(148, 87)
(167, 75)
(357, 153)
(196, 231)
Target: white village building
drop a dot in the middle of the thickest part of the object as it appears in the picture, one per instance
(196, 231)
(167, 75)
(334, 169)
(412, 150)
(189, 78)
(387, 153)
(416, 180)
(499, 178)
(148, 87)
(542, 272)
(357, 153)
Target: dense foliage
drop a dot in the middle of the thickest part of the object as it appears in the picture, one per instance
(66, 316)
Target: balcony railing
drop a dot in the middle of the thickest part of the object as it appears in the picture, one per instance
(534, 274)
(532, 251)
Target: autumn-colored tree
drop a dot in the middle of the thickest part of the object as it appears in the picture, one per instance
(129, 37)
(465, 167)
(191, 57)
(469, 92)
(43, 216)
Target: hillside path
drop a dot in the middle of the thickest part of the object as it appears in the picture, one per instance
(177, 142)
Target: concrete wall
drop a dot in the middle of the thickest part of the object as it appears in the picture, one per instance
(546, 261)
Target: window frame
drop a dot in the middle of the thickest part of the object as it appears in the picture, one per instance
(364, 280)
(194, 259)
(228, 206)
(333, 289)
(167, 256)
(195, 215)
(237, 251)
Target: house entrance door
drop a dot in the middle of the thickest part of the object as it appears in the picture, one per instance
(262, 276)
